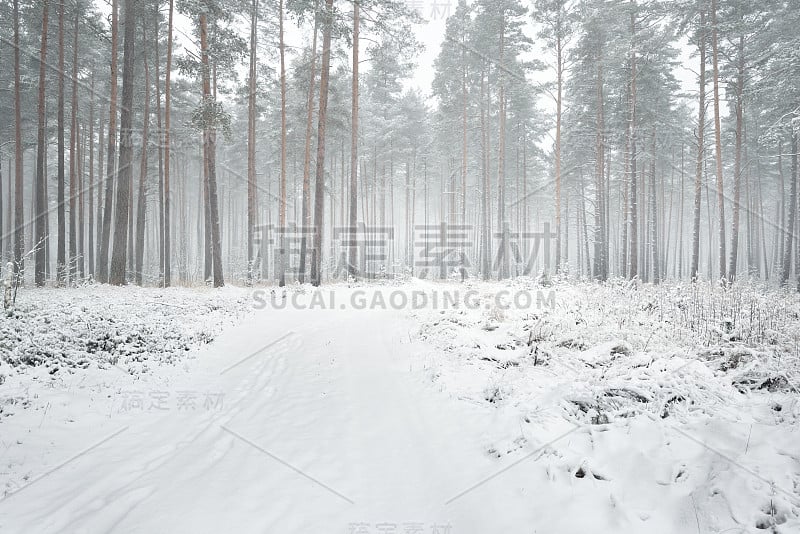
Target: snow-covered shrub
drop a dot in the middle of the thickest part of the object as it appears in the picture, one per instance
(9, 288)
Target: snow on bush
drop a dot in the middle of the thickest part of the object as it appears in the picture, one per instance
(681, 396)
(131, 328)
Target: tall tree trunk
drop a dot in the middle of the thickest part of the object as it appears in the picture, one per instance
(159, 126)
(681, 228)
(81, 203)
(599, 210)
(208, 257)
(167, 162)
(111, 151)
(655, 258)
(633, 255)
(306, 208)
(463, 129)
(718, 140)
(41, 205)
(319, 186)
(282, 212)
(73, 155)
(141, 203)
(737, 173)
(559, 93)
(210, 142)
(353, 214)
(501, 149)
(791, 215)
(90, 242)
(61, 273)
(701, 124)
(131, 254)
(781, 230)
(251, 141)
(125, 171)
(486, 261)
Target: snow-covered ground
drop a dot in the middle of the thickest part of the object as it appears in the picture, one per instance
(608, 409)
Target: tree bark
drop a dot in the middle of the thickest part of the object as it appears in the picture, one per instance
(111, 152)
(73, 156)
(251, 142)
(737, 173)
(633, 254)
(141, 203)
(718, 140)
(599, 209)
(701, 124)
(210, 142)
(61, 274)
(559, 93)
(282, 211)
(159, 127)
(353, 215)
(319, 186)
(41, 205)
(167, 163)
(90, 242)
(791, 215)
(125, 171)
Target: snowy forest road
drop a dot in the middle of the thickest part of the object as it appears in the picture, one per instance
(328, 426)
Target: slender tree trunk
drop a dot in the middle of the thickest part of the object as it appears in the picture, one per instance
(61, 273)
(100, 184)
(655, 258)
(353, 214)
(737, 178)
(791, 215)
(159, 126)
(167, 162)
(485, 228)
(559, 93)
(781, 231)
(210, 141)
(701, 124)
(501, 149)
(599, 219)
(111, 152)
(73, 155)
(282, 211)
(81, 203)
(718, 140)
(681, 228)
(633, 255)
(131, 254)
(141, 203)
(251, 141)
(306, 208)
(319, 192)
(208, 258)
(90, 242)
(463, 129)
(41, 205)
(125, 171)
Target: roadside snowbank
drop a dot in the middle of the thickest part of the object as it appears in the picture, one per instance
(54, 332)
(684, 401)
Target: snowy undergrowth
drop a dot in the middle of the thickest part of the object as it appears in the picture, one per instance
(684, 400)
(60, 332)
